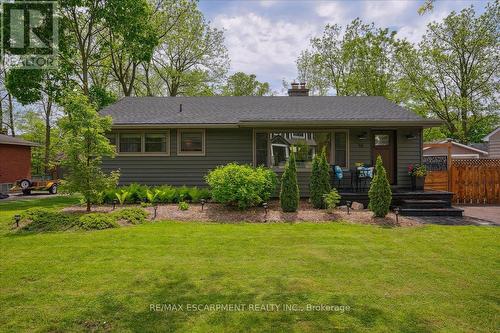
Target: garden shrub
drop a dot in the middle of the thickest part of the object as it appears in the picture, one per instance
(168, 194)
(122, 196)
(241, 185)
(158, 194)
(332, 199)
(289, 194)
(320, 180)
(183, 205)
(137, 192)
(97, 221)
(44, 219)
(380, 193)
(131, 215)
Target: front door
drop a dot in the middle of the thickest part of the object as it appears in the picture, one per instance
(383, 145)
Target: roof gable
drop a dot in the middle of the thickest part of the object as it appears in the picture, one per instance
(495, 131)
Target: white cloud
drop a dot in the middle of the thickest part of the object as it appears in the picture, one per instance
(386, 13)
(264, 46)
(333, 12)
(267, 3)
(414, 30)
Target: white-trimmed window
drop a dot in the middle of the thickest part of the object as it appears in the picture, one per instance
(191, 142)
(144, 143)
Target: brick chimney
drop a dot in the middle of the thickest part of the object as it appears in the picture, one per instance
(298, 89)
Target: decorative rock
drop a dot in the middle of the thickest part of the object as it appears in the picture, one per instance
(357, 206)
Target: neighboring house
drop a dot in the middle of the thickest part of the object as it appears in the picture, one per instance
(458, 150)
(493, 140)
(15, 160)
(177, 140)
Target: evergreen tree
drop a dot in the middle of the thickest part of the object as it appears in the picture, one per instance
(380, 193)
(320, 180)
(289, 194)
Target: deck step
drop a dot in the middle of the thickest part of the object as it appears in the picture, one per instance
(447, 211)
(415, 203)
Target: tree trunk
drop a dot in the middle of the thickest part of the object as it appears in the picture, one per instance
(11, 114)
(88, 205)
(48, 111)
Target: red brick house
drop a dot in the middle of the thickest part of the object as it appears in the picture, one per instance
(15, 160)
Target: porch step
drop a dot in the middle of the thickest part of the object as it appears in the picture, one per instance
(413, 203)
(447, 211)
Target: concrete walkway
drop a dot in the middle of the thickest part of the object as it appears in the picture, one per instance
(488, 213)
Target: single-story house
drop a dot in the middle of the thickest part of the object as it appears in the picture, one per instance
(178, 140)
(15, 160)
(493, 140)
(458, 150)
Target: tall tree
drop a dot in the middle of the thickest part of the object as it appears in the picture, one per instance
(41, 88)
(357, 60)
(84, 146)
(192, 54)
(130, 38)
(454, 72)
(80, 46)
(241, 84)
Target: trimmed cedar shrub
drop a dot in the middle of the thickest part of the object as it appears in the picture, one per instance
(320, 180)
(131, 215)
(332, 199)
(97, 221)
(289, 194)
(380, 193)
(241, 185)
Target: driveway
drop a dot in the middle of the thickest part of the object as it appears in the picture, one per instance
(488, 213)
(33, 195)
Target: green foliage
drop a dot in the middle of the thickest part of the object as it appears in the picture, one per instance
(131, 215)
(332, 199)
(289, 194)
(44, 220)
(357, 60)
(241, 185)
(380, 193)
(101, 97)
(183, 205)
(135, 193)
(97, 221)
(241, 84)
(84, 146)
(320, 180)
(453, 81)
(122, 196)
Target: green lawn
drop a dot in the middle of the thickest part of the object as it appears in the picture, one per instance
(421, 279)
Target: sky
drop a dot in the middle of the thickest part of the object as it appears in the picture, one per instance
(265, 37)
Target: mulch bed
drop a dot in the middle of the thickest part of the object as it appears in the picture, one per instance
(213, 212)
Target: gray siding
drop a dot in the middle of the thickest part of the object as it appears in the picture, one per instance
(222, 146)
(235, 145)
(409, 151)
(494, 146)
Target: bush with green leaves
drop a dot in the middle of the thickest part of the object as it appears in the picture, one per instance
(380, 193)
(241, 185)
(183, 205)
(131, 215)
(320, 180)
(289, 193)
(44, 219)
(97, 221)
(332, 199)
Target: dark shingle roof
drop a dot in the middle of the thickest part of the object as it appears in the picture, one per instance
(235, 110)
(10, 140)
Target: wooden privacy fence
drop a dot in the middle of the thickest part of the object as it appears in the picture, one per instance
(475, 181)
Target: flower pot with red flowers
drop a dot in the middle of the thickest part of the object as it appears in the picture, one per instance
(417, 174)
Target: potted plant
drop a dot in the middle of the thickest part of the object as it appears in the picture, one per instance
(417, 174)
